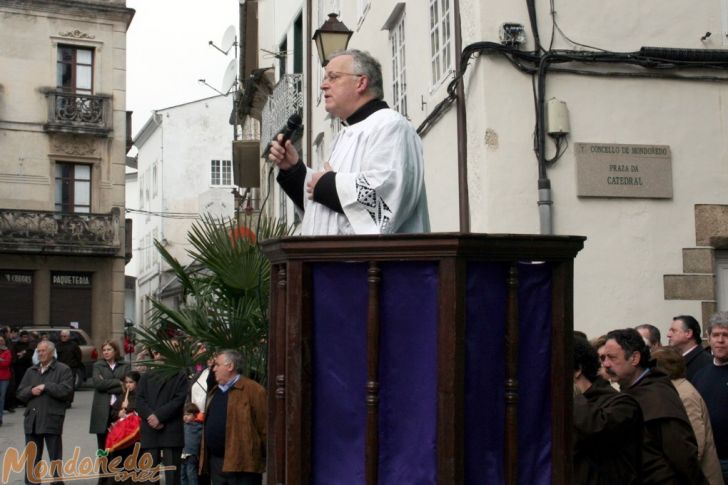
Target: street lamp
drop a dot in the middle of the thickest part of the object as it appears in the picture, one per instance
(332, 36)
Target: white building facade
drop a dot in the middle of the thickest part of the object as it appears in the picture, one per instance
(642, 161)
(183, 171)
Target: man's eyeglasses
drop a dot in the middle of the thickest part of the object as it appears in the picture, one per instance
(333, 76)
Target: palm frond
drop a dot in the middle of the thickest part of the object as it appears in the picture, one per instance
(226, 298)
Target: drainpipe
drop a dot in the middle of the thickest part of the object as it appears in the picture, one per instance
(462, 139)
(545, 203)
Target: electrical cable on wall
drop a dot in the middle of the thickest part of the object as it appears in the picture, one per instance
(164, 215)
(647, 63)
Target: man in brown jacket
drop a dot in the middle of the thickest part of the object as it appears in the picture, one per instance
(669, 448)
(236, 416)
(607, 426)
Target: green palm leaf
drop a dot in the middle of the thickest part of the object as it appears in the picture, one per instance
(225, 291)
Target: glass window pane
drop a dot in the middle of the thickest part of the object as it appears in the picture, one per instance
(83, 209)
(83, 56)
(83, 172)
(82, 192)
(65, 54)
(59, 193)
(65, 194)
(83, 78)
(64, 75)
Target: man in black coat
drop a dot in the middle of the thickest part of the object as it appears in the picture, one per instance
(607, 426)
(684, 335)
(669, 447)
(69, 353)
(160, 401)
(46, 389)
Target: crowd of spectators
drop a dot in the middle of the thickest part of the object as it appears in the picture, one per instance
(651, 414)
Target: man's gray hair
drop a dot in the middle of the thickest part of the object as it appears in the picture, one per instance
(719, 319)
(367, 65)
(51, 345)
(234, 357)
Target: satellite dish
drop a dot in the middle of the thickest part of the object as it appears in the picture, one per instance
(230, 76)
(228, 38)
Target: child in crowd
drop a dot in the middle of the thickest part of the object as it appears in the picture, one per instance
(191, 452)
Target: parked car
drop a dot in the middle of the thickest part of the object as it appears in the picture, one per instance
(89, 354)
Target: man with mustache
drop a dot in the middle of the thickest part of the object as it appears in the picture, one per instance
(669, 448)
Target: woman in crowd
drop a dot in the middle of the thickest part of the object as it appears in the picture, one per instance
(107, 378)
(6, 359)
(672, 362)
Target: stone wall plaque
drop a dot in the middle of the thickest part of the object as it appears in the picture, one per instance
(618, 170)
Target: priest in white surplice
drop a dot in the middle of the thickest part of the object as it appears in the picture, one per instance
(373, 182)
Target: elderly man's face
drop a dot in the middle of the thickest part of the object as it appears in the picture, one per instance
(224, 370)
(65, 336)
(719, 343)
(342, 87)
(45, 355)
(618, 365)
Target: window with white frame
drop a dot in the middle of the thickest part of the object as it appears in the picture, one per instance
(318, 149)
(440, 39)
(147, 192)
(145, 254)
(399, 65)
(140, 183)
(282, 207)
(362, 7)
(335, 127)
(221, 172)
(154, 179)
(153, 249)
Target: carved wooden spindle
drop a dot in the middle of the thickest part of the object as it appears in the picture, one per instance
(511, 394)
(562, 330)
(372, 386)
(280, 377)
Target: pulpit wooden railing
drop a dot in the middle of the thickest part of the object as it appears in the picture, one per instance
(438, 358)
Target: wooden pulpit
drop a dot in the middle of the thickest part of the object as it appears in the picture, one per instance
(421, 359)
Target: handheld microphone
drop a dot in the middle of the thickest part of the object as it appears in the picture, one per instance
(292, 128)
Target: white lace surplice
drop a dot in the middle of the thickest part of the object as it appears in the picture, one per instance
(379, 180)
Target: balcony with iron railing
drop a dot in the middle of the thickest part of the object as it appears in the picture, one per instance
(48, 232)
(85, 114)
(286, 99)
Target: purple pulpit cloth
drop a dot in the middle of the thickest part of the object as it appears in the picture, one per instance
(408, 373)
(486, 299)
